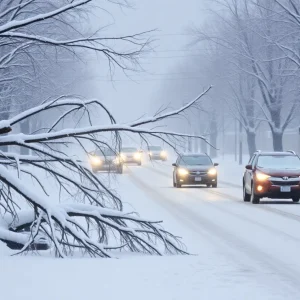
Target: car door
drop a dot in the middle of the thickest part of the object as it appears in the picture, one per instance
(248, 174)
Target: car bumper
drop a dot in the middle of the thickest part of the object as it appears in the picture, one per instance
(106, 167)
(157, 157)
(275, 192)
(194, 180)
(132, 160)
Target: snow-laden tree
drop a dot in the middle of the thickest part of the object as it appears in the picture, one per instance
(93, 220)
(84, 214)
(253, 35)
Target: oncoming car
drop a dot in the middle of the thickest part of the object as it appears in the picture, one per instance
(131, 155)
(272, 175)
(157, 153)
(194, 169)
(106, 160)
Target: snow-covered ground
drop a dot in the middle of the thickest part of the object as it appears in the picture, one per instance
(241, 251)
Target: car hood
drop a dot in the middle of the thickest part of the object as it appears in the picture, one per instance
(108, 158)
(197, 168)
(280, 172)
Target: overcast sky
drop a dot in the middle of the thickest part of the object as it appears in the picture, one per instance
(171, 18)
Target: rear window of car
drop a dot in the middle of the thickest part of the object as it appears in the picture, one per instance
(129, 150)
(155, 148)
(105, 152)
(278, 162)
(194, 160)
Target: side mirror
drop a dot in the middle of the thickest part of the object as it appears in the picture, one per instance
(216, 164)
(174, 165)
(248, 167)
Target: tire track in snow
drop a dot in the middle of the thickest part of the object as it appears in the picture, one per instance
(199, 222)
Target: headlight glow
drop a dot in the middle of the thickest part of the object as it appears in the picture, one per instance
(261, 176)
(182, 172)
(137, 155)
(117, 160)
(163, 153)
(212, 171)
(95, 160)
(123, 156)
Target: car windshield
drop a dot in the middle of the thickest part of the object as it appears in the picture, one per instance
(155, 148)
(129, 150)
(278, 162)
(193, 160)
(105, 152)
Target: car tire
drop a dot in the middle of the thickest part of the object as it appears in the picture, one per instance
(139, 163)
(95, 171)
(296, 199)
(246, 196)
(214, 185)
(177, 184)
(208, 185)
(120, 170)
(254, 198)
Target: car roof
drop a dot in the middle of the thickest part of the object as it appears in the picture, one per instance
(277, 153)
(192, 154)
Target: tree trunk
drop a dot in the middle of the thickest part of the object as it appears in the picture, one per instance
(203, 146)
(277, 140)
(251, 140)
(25, 130)
(213, 136)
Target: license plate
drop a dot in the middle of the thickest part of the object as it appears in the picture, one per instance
(285, 189)
(198, 178)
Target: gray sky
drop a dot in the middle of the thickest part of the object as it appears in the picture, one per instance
(132, 99)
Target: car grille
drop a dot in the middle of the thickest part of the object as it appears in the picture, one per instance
(292, 180)
(198, 173)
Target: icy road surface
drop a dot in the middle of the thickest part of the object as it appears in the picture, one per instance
(242, 251)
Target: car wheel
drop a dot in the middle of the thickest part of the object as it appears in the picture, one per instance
(296, 199)
(139, 163)
(120, 170)
(246, 196)
(94, 171)
(215, 185)
(208, 185)
(177, 184)
(254, 198)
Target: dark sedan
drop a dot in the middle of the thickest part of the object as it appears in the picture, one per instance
(195, 169)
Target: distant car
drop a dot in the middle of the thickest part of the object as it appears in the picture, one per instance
(106, 160)
(272, 175)
(41, 241)
(131, 155)
(157, 153)
(194, 169)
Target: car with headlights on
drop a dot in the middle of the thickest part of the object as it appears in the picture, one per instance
(274, 175)
(131, 155)
(195, 169)
(106, 159)
(157, 153)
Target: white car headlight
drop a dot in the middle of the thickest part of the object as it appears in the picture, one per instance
(261, 176)
(117, 160)
(137, 155)
(182, 172)
(212, 171)
(163, 153)
(95, 160)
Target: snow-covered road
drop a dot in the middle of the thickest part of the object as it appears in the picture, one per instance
(242, 251)
(261, 239)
